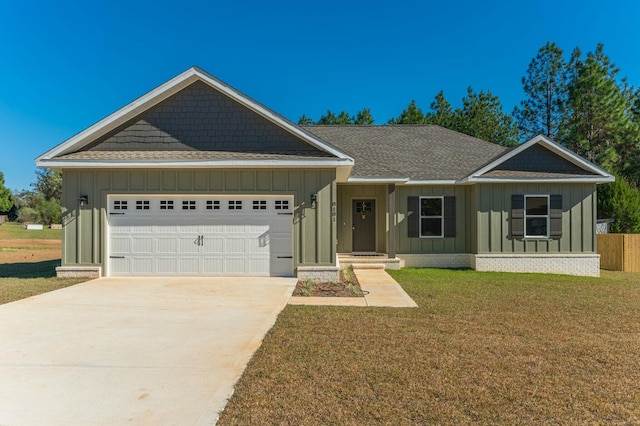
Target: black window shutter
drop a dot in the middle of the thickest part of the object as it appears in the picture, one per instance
(555, 216)
(517, 215)
(413, 216)
(449, 217)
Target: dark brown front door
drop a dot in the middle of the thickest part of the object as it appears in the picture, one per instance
(364, 225)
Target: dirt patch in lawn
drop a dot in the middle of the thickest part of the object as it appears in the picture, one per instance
(347, 286)
(26, 251)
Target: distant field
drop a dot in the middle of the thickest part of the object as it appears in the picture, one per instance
(15, 231)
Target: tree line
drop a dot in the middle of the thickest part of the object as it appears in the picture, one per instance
(40, 204)
(580, 101)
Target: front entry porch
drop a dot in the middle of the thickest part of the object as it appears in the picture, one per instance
(366, 222)
(368, 261)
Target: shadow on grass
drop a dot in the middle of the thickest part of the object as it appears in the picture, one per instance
(44, 269)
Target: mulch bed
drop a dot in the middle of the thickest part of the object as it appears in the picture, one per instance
(348, 286)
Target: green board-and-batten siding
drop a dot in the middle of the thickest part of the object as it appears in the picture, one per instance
(482, 218)
(494, 210)
(84, 231)
(458, 244)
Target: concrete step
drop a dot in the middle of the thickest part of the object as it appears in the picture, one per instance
(368, 265)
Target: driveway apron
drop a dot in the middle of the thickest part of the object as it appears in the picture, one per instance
(161, 351)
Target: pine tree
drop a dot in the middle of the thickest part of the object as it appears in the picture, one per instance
(599, 123)
(364, 117)
(305, 121)
(481, 116)
(544, 110)
(411, 115)
(441, 113)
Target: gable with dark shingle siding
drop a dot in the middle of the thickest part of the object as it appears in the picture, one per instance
(201, 118)
(539, 159)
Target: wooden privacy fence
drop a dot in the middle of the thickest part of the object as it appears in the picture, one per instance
(619, 252)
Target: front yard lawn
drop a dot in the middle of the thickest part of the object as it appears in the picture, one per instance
(28, 260)
(482, 348)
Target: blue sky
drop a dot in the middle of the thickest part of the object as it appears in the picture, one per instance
(65, 65)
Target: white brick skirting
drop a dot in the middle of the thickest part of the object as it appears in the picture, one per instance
(558, 263)
(446, 261)
(78, 271)
(322, 273)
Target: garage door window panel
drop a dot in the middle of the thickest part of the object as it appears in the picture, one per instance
(188, 205)
(282, 205)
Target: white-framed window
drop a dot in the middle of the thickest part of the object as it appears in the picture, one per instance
(432, 217)
(142, 205)
(188, 205)
(235, 204)
(213, 204)
(120, 204)
(282, 205)
(166, 204)
(536, 216)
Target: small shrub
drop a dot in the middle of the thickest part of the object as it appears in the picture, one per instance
(308, 286)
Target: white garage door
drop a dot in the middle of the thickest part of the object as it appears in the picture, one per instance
(200, 235)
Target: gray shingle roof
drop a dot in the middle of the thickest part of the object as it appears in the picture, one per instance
(168, 155)
(419, 152)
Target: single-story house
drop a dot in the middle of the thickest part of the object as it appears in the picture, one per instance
(196, 178)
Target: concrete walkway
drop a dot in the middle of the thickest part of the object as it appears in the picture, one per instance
(380, 288)
(137, 351)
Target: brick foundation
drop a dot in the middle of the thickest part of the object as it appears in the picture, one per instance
(78, 271)
(557, 263)
(322, 273)
(569, 264)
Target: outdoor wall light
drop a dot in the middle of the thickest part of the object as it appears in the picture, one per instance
(84, 200)
(314, 200)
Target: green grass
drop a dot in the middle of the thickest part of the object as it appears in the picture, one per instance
(12, 289)
(22, 280)
(15, 231)
(486, 348)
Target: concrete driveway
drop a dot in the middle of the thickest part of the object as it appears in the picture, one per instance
(113, 351)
